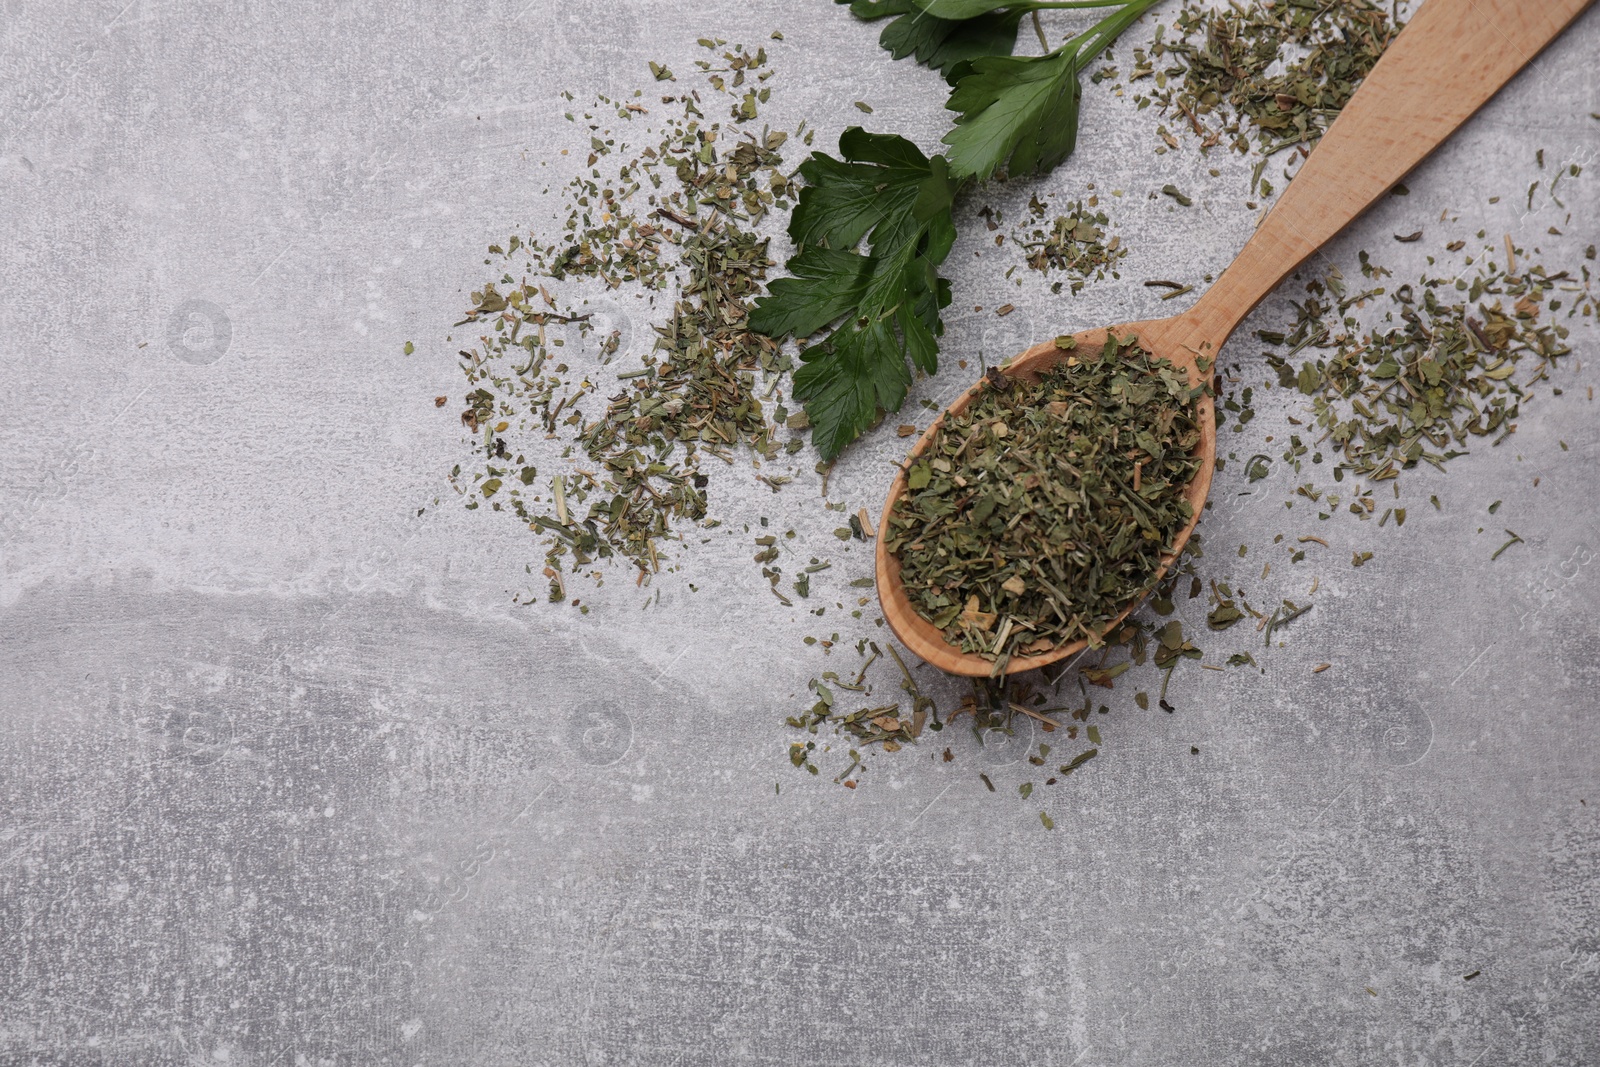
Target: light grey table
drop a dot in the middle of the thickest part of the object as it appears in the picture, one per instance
(287, 779)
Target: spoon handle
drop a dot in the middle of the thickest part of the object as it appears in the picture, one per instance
(1447, 62)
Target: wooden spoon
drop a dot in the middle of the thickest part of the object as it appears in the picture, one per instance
(1448, 61)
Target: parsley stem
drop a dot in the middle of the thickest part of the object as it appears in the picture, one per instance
(1067, 5)
(1108, 29)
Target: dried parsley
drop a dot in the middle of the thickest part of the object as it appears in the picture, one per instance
(626, 454)
(1275, 73)
(1450, 363)
(1040, 512)
(1074, 243)
(882, 724)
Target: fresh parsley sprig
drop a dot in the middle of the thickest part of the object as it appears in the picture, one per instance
(937, 41)
(870, 311)
(887, 192)
(1021, 112)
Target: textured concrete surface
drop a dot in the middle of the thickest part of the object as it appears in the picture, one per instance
(286, 778)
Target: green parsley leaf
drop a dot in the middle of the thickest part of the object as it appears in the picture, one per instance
(937, 41)
(886, 301)
(846, 381)
(879, 180)
(1016, 110)
(966, 9)
(827, 283)
(1021, 112)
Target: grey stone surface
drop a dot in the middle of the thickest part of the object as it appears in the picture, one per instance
(286, 778)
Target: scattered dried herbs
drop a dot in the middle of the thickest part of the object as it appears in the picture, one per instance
(1515, 540)
(1277, 74)
(1074, 243)
(875, 724)
(1451, 362)
(679, 213)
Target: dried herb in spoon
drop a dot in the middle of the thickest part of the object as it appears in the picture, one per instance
(1038, 514)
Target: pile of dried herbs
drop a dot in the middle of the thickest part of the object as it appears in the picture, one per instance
(679, 213)
(1073, 244)
(1277, 72)
(1041, 511)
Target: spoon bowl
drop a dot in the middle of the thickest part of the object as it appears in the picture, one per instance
(1167, 338)
(1448, 61)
